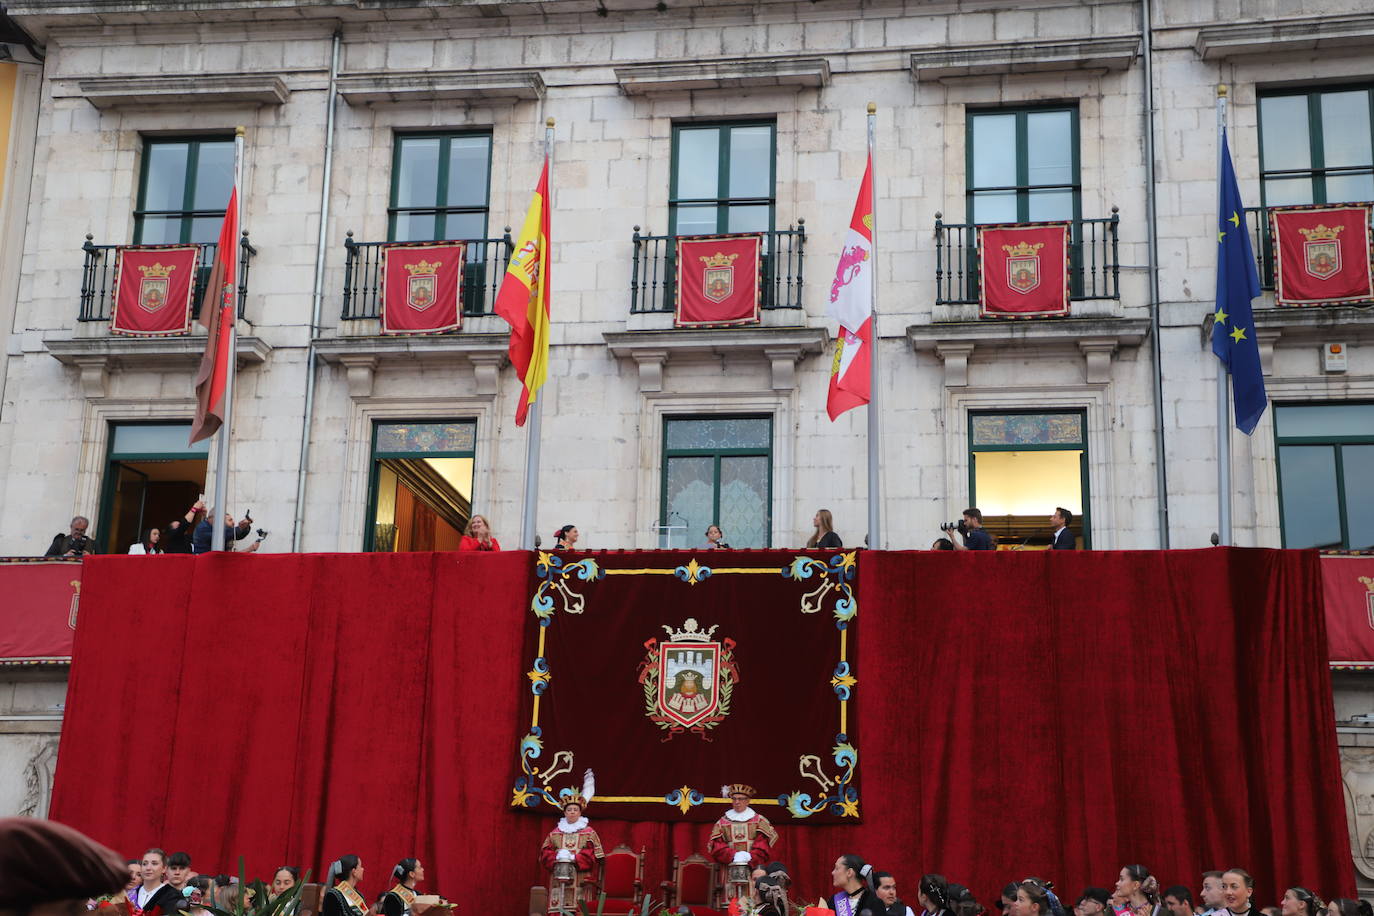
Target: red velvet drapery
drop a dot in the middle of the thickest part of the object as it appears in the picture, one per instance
(1058, 714)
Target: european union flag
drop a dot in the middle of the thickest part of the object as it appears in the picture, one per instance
(1233, 333)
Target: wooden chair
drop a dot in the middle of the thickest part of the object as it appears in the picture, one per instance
(622, 881)
(311, 900)
(693, 885)
(539, 900)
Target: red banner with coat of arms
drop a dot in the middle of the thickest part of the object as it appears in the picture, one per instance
(422, 287)
(1348, 586)
(152, 290)
(673, 674)
(718, 281)
(1025, 270)
(1322, 255)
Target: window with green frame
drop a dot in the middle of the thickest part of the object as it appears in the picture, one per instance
(1317, 145)
(1023, 165)
(1326, 461)
(152, 476)
(722, 178)
(420, 484)
(718, 470)
(183, 189)
(440, 184)
(1023, 465)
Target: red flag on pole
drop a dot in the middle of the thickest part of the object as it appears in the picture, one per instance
(851, 304)
(217, 315)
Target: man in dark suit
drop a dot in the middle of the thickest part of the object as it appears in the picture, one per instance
(1063, 537)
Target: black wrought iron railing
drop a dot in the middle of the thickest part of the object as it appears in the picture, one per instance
(1262, 244)
(483, 270)
(653, 272)
(1094, 264)
(98, 276)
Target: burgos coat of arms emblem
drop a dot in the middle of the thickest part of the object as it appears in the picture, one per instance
(424, 284)
(688, 679)
(155, 286)
(718, 280)
(1322, 250)
(1023, 266)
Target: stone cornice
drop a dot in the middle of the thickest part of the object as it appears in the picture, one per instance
(1306, 34)
(437, 85)
(1034, 56)
(96, 357)
(783, 348)
(797, 72)
(198, 90)
(361, 357)
(1097, 339)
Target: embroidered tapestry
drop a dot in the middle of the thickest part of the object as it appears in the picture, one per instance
(673, 674)
(1025, 270)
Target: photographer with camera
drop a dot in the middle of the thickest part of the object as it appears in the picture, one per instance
(203, 535)
(971, 533)
(75, 544)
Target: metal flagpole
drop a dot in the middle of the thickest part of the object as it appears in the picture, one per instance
(527, 529)
(1223, 371)
(875, 540)
(220, 504)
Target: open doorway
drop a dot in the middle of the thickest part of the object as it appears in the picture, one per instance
(1023, 466)
(421, 492)
(151, 477)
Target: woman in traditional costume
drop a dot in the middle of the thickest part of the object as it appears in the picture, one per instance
(342, 898)
(853, 877)
(399, 900)
(572, 841)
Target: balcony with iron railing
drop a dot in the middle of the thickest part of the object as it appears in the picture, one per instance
(98, 356)
(98, 276)
(780, 340)
(1094, 263)
(1095, 325)
(653, 272)
(483, 270)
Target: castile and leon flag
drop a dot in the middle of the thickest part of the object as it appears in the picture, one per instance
(851, 304)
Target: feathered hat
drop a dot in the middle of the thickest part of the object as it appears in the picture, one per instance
(737, 788)
(583, 798)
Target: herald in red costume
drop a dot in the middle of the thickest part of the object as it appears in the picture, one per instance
(572, 841)
(742, 831)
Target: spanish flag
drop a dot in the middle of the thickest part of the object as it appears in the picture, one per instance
(524, 298)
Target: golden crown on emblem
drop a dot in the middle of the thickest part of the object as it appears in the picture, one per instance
(718, 259)
(157, 270)
(1321, 232)
(737, 788)
(1023, 249)
(424, 267)
(1368, 582)
(690, 632)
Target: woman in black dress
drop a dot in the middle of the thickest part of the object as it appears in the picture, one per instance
(342, 898)
(824, 537)
(398, 900)
(853, 879)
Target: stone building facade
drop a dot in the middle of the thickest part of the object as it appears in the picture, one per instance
(987, 111)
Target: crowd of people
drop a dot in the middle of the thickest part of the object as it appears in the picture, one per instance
(164, 885)
(860, 889)
(193, 533)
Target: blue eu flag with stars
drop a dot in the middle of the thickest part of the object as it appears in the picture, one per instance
(1233, 332)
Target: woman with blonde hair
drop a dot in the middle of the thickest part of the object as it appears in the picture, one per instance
(477, 535)
(824, 537)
